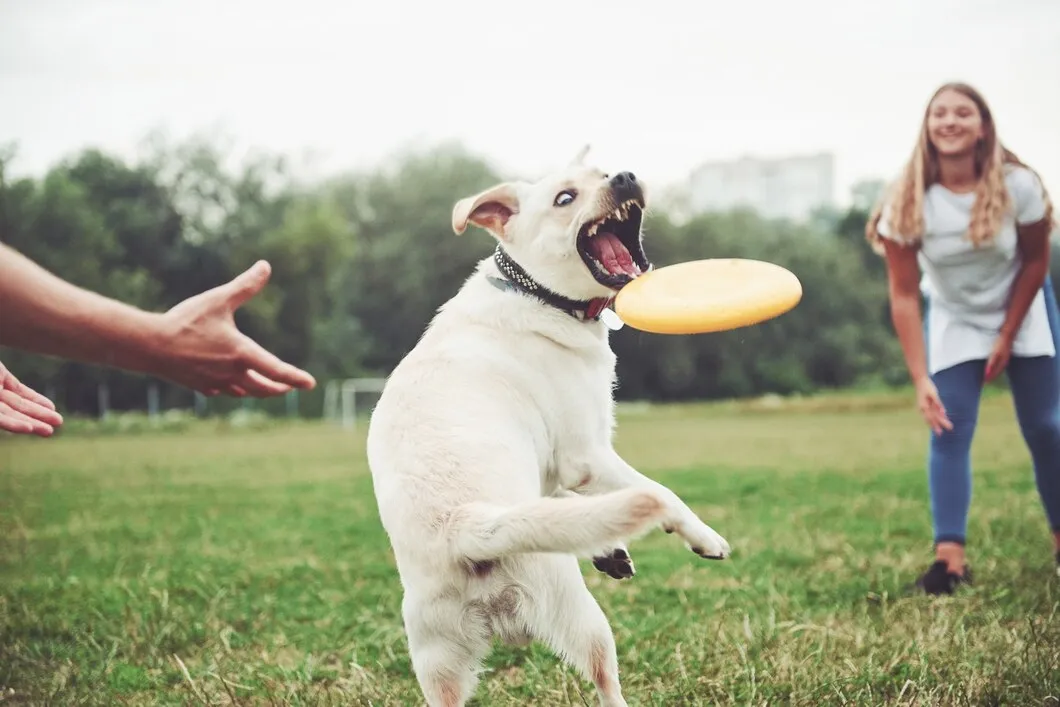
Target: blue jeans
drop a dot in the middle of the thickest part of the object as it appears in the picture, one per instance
(1035, 385)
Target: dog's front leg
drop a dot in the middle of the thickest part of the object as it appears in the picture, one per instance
(606, 471)
(616, 564)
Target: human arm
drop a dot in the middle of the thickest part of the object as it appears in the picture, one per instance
(903, 289)
(1034, 267)
(1033, 226)
(903, 275)
(42, 313)
(195, 344)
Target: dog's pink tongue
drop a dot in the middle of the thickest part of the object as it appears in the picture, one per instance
(614, 256)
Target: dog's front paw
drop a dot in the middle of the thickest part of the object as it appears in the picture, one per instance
(706, 543)
(617, 565)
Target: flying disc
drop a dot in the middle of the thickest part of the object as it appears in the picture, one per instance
(700, 296)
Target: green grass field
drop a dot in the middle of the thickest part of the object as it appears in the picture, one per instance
(226, 566)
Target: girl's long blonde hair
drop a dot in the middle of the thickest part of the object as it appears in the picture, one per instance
(905, 196)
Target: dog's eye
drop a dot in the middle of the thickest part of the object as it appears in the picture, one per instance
(565, 197)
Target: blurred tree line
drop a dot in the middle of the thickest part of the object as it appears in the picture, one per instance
(362, 261)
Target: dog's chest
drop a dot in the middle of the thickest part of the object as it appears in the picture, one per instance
(578, 398)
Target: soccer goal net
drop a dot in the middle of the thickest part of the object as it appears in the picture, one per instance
(345, 399)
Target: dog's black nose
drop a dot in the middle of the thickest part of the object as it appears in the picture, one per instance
(623, 180)
(625, 186)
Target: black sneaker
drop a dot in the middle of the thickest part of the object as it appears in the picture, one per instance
(939, 580)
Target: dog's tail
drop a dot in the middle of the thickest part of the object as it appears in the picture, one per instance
(585, 526)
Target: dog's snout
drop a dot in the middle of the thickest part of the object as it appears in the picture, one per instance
(625, 186)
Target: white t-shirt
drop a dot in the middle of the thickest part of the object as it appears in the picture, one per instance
(968, 288)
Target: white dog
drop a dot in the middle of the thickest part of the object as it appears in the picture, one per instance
(490, 448)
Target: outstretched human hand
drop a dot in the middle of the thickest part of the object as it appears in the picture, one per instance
(195, 344)
(24, 410)
(202, 348)
(931, 407)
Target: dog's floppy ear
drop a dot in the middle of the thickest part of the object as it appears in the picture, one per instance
(490, 209)
(580, 157)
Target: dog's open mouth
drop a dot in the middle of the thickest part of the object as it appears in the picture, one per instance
(611, 246)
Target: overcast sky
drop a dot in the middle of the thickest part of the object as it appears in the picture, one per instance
(526, 83)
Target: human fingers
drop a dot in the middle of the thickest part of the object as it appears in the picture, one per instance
(30, 408)
(259, 386)
(934, 412)
(929, 416)
(931, 421)
(942, 422)
(940, 412)
(20, 423)
(271, 367)
(988, 375)
(17, 386)
(995, 366)
(248, 283)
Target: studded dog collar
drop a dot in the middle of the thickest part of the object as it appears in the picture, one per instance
(516, 278)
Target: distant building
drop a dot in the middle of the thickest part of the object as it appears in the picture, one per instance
(790, 187)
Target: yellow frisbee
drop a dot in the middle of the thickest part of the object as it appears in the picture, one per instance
(699, 296)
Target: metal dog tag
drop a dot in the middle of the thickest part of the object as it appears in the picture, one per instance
(611, 319)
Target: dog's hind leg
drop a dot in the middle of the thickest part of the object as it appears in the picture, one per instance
(447, 648)
(566, 616)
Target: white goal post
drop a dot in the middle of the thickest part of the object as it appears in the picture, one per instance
(340, 398)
